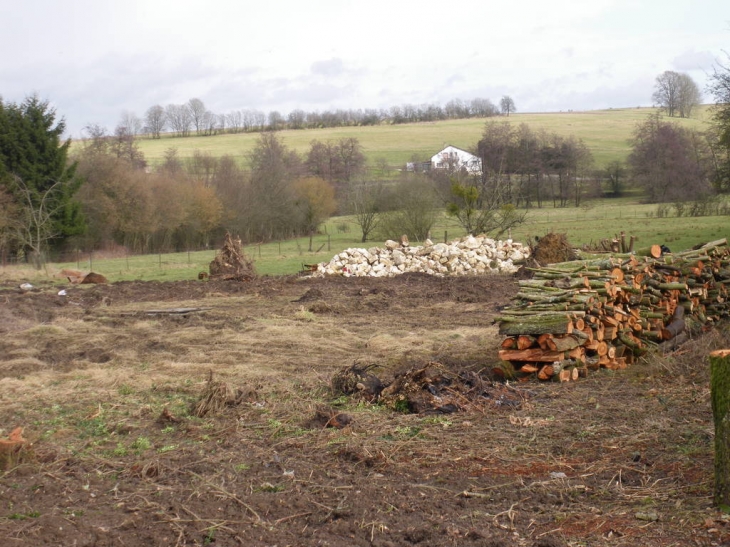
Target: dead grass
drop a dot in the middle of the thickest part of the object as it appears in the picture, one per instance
(585, 463)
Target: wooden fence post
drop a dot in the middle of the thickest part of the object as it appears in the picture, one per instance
(720, 392)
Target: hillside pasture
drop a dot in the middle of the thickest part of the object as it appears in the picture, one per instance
(605, 132)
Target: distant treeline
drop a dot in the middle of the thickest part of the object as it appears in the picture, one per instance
(193, 118)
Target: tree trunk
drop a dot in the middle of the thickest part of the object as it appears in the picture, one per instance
(720, 389)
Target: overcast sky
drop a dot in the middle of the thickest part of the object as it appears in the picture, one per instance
(93, 59)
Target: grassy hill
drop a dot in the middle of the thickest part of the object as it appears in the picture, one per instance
(605, 132)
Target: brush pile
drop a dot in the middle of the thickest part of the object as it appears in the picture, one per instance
(578, 316)
(231, 263)
(427, 388)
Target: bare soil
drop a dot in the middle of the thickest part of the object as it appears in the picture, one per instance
(107, 383)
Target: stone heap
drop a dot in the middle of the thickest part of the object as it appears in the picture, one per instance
(466, 256)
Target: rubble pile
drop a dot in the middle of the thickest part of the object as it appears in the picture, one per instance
(469, 255)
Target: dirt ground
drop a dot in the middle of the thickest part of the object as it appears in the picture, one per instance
(104, 381)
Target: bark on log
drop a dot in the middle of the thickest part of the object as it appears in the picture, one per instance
(676, 325)
(533, 355)
(720, 390)
(563, 343)
(541, 324)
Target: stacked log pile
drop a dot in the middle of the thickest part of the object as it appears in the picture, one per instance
(582, 315)
(466, 256)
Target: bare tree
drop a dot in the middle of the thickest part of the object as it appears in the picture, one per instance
(366, 204)
(616, 174)
(507, 105)
(456, 109)
(202, 166)
(276, 120)
(35, 226)
(689, 96)
(259, 120)
(197, 115)
(676, 93)
(274, 168)
(234, 121)
(124, 146)
(666, 91)
(413, 210)
(337, 162)
(133, 124)
(482, 108)
(719, 87)
(296, 119)
(155, 121)
(179, 118)
(315, 200)
(668, 162)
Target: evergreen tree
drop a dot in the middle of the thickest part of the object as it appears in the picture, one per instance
(34, 168)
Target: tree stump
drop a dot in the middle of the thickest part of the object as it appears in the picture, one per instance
(720, 389)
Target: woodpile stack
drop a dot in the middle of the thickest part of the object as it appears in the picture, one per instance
(583, 315)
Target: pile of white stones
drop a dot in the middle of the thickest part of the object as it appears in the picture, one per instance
(466, 256)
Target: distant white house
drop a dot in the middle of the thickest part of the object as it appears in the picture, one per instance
(455, 158)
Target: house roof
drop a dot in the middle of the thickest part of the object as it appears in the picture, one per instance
(457, 148)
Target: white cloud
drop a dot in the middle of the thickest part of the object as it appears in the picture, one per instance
(693, 60)
(95, 59)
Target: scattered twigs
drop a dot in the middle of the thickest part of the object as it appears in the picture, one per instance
(222, 491)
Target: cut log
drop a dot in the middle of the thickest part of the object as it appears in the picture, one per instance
(592, 345)
(509, 343)
(602, 349)
(504, 370)
(550, 324)
(546, 373)
(676, 326)
(563, 343)
(617, 274)
(533, 355)
(542, 340)
(576, 353)
(525, 341)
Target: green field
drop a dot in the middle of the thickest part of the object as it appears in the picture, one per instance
(590, 223)
(605, 132)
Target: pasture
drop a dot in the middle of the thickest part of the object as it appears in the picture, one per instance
(594, 221)
(605, 132)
